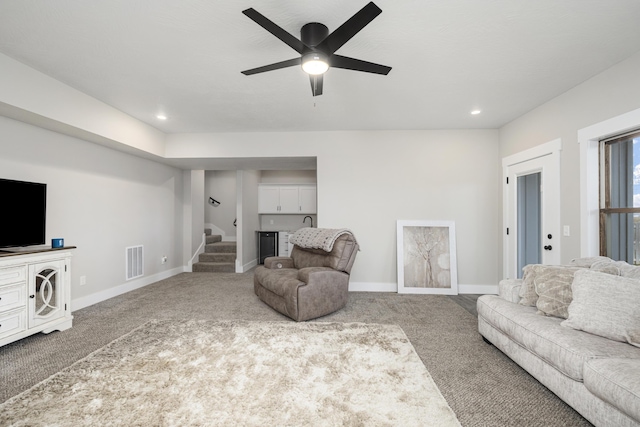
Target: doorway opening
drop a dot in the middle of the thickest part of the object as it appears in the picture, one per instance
(531, 197)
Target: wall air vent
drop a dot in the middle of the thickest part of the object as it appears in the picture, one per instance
(134, 260)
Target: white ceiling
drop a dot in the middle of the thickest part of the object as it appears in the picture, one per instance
(184, 58)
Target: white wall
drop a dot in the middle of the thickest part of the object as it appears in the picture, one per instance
(614, 92)
(33, 97)
(250, 222)
(221, 185)
(369, 180)
(197, 213)
(288, 177)
(101, 201)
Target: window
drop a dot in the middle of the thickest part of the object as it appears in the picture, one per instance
(620, 198)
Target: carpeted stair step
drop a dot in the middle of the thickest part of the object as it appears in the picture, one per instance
(217, 257)
(213, 238)
(213, 267)
(207, 231)
(220, 247)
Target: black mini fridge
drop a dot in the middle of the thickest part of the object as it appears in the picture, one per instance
(267, 245)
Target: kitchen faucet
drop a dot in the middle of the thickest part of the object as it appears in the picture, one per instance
(305, 219)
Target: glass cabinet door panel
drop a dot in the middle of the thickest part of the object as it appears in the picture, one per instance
(45, 292)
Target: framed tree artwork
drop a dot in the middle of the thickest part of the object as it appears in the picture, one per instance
(427, 257)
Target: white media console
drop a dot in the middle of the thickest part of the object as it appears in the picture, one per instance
(35, 292)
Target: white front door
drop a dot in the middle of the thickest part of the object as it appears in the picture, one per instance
(532, 211)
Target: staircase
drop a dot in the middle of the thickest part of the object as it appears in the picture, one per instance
(218, 256)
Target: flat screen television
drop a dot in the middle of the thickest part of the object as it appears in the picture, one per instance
(22, 213)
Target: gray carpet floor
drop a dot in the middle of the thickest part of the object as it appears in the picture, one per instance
(481, 384)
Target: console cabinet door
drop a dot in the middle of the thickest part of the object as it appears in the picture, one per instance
(46, 292)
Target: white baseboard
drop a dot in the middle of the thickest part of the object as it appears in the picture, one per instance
(478, 289)
(393, 287)
(82, 302)
(246, 267)
(372, 287)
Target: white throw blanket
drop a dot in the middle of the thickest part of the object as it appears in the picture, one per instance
(318, 238)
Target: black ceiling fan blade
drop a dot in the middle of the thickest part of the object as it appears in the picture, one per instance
(338, 61)
(343, 33)
(316, 84)
(271, 67)
(277, 31)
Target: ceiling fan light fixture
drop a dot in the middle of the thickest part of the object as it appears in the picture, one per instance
(315, 63)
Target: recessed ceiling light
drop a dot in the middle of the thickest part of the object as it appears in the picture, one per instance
(475, 112)
(161, 117)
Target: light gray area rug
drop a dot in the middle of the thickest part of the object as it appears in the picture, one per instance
(188, 373)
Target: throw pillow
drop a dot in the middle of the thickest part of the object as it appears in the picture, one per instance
(605, 305)
(609, 267)
(553, 286)
(630, 271)
(528, 296)
(588, 261)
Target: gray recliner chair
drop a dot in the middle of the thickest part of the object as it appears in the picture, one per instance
(310, 283)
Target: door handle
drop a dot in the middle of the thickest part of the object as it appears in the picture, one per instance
(547, 248)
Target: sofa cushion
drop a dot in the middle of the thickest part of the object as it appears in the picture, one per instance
(606, 305)
(565, 349)
(553, 286)
(617, 382)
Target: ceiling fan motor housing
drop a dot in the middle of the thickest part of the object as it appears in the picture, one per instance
(313, 33)
(317, 48)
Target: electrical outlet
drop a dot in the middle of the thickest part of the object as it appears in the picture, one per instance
(164, 259)
(83, 280)
(566, 231)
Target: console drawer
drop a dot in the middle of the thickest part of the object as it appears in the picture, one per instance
(13, 275)
(13, 296)
(13, 322)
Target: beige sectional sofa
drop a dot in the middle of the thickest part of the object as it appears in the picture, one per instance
(579, 335)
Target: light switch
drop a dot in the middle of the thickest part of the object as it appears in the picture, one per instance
(566, 231)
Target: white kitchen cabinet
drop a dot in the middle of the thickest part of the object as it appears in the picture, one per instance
(289, 202)
(308, 199)
(268, 199)
(287, 199)
(35, 293)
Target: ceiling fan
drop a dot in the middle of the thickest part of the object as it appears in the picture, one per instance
(317, 47)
